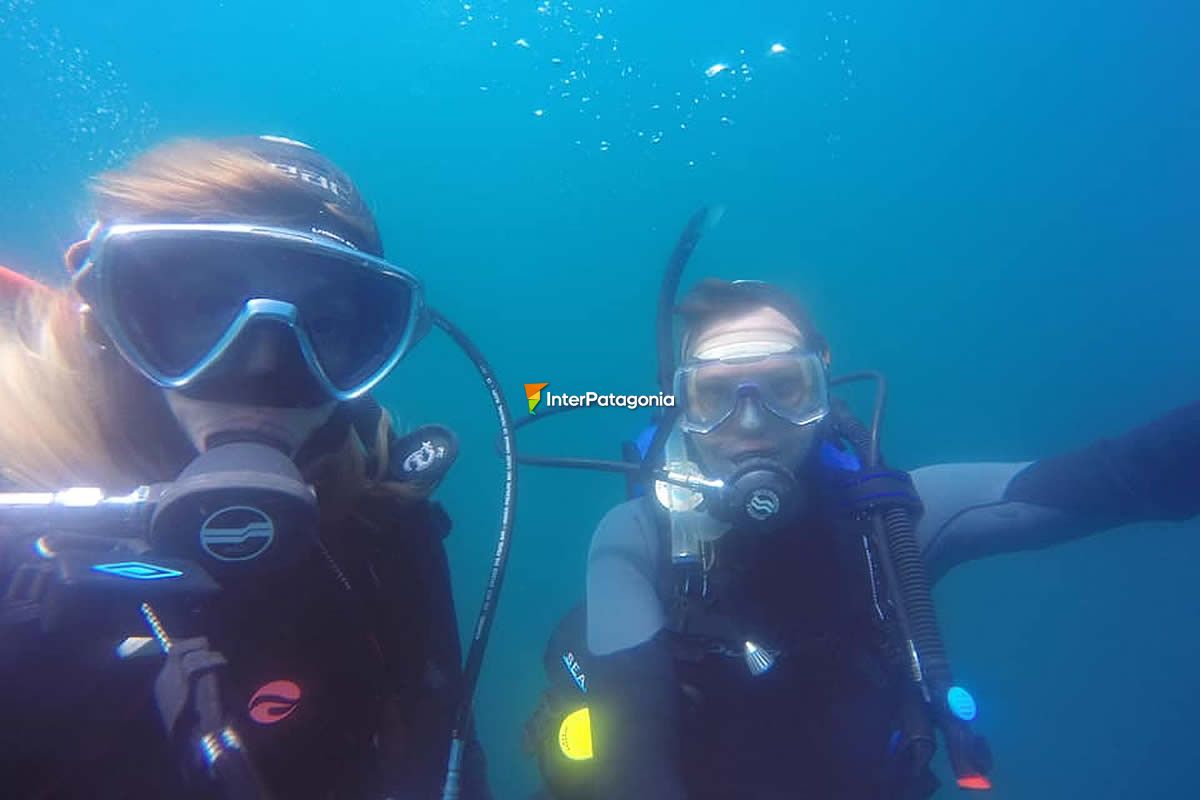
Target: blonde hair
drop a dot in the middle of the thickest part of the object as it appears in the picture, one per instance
(202, 180)
(73, 413)
(52, 425)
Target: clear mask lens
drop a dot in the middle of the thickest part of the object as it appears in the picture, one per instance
(790, 385)
(178, 296)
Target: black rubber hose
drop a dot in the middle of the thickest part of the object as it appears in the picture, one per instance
(902, 558)
(237, 775)
(914, 583)
(870, 437)
(491, 596)
(895, 538)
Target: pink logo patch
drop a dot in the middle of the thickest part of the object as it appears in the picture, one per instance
(274, 702)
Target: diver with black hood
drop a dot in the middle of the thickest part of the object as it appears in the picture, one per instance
(251, 598)
(758, 621)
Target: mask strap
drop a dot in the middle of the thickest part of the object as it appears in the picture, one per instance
(77, 253)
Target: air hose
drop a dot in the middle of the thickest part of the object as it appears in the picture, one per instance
(463, 721)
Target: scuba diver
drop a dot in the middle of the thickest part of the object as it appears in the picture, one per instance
(252, 598)
(758, 622)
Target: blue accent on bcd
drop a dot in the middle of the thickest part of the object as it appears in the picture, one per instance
(837, 458)
(641, 443)
(961, 704)
(644, 439)
(137, 570)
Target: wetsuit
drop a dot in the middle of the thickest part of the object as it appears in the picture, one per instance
(342, 681)
(822, 722)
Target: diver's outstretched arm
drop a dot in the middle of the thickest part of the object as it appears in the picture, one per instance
(632, 687)
(1149, 474)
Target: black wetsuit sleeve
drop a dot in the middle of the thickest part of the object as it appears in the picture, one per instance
(634, 706)
(976, 510)
(1151, 473)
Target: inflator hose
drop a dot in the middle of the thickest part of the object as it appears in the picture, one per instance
(903, 558)
(894, 536)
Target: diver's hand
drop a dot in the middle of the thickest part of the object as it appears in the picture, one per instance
(39, 573)
(186, 690)
(188, 697)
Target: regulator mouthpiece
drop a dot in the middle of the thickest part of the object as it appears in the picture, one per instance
(758, 496)
(237, 508)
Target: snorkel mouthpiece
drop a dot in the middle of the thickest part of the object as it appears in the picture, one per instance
(238, 508)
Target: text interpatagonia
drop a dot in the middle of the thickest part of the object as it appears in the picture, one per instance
(615, 400)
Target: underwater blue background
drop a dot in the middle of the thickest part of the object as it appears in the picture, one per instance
(995, 204)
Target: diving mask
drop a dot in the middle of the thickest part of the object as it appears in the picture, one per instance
(786, 381)
(175, 298)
